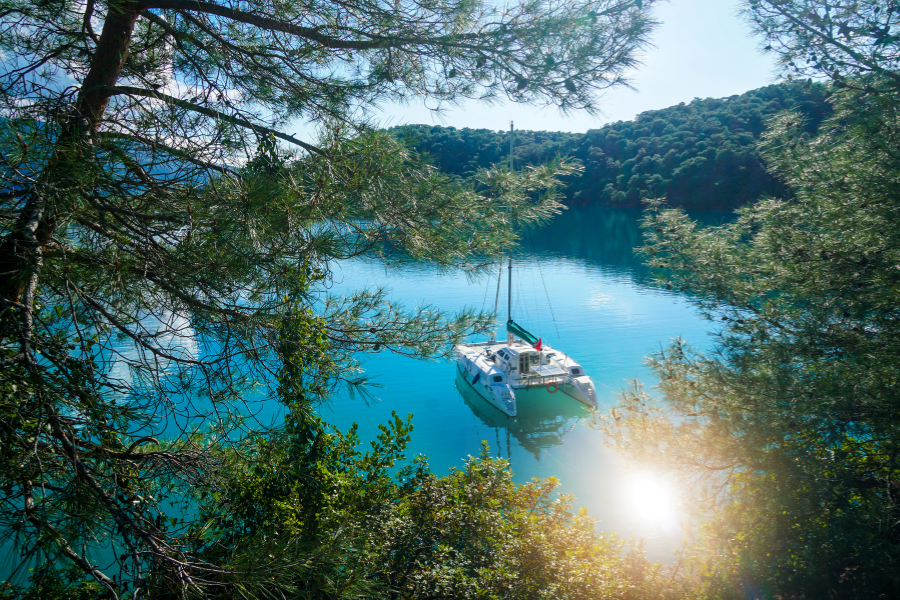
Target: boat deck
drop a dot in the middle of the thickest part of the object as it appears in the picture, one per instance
(537, 377)
(498, 344)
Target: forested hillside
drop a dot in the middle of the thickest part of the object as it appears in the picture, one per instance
(697, 155)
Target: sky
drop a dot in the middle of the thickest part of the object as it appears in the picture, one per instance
(702, 50)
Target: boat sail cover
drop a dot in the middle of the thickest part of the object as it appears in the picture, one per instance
(516, 329)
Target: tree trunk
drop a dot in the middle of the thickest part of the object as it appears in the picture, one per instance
(21, 250)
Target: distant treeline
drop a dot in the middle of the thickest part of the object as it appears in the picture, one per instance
(700, 155)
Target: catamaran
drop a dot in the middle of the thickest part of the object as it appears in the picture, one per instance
(496, 370)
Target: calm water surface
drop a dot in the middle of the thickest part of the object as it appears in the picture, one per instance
(579, 286)
(603, 310)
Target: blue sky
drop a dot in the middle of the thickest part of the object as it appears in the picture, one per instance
(702, 49)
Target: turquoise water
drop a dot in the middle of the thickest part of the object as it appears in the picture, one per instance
(579, 286)
(603, 310)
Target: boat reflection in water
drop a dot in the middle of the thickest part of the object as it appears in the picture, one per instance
(542, 420)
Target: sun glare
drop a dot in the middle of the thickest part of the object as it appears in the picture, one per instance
(653, 500)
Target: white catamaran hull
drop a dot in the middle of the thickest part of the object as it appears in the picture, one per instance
(496, 371)
(502, 397)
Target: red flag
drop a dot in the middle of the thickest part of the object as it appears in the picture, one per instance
(538, 345)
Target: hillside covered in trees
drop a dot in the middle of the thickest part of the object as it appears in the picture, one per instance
(699, 155)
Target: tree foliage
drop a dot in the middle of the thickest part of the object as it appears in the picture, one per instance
(855, 44)
(404, 532)
(167, 241)
(313, 516)
(699, 155)
(787, 435)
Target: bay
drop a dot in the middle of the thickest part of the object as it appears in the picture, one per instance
(579, 286)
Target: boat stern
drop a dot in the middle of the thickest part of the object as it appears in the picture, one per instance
(584, 391)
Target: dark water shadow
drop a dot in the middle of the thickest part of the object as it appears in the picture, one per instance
(603, 236)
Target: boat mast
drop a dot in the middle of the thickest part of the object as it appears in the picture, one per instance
(509, 335)
(497, 299)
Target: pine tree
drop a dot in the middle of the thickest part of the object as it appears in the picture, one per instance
(166, 238)
(787, 434)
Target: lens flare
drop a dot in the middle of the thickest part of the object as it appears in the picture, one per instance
(654, 501)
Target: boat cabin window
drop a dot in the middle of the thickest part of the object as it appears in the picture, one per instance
(498, 378)
(576, 371)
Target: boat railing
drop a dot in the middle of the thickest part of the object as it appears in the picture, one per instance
(532, 380)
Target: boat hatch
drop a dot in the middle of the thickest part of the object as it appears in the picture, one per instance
(548, 371)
